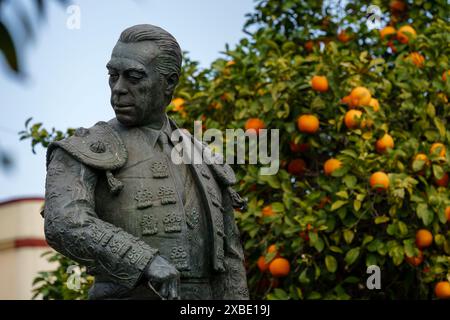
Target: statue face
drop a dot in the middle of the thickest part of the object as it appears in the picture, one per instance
(137, 89)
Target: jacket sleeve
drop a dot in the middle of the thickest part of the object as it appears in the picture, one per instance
(73, 228)
(235, 274)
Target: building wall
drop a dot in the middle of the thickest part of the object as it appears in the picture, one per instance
(22, 242)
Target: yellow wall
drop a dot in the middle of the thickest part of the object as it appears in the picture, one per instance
(19, 265)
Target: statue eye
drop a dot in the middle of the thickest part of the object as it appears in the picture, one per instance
(134, 76)
(113, 76)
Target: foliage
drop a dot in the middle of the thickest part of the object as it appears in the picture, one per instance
(332, 227)
(270, 79)
(8, 45)
(41, 136)
(53, 284)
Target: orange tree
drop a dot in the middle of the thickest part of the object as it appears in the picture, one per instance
(363, 117)
(380, 99)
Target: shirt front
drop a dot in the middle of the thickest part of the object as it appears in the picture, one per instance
(197, 223)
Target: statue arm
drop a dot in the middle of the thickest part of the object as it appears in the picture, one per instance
(73, 228)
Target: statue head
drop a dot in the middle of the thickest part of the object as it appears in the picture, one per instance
(143, 72)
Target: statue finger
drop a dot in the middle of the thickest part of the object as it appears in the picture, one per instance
(164, 289)
(174, 290)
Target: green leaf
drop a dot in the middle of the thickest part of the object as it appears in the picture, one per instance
(402, 228)
(316, 241)
(336, 205)
(350, 181)
(352, 255)
(367, 239)
(331, 263)
(418, 165)
(397, 253)
(278, 294)
(348, 236)
(314, 296)
(425, 214)
(342, 194)
(350, 153)
(356, 205)
(439, 239)
(272, 180)
(409, 247)
(277, 207)
(303, 278)
(381, 219)
(438, 172)
(371, 259)
(8, 48)
(440, 126)
(336, 249)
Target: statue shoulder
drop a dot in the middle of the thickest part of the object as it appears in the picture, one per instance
(99, 147)
(221, 171)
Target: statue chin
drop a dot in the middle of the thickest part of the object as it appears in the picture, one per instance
(126, 120)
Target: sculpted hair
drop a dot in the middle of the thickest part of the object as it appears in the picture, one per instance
(169, 60)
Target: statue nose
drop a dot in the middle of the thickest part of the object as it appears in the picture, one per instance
(120, 87)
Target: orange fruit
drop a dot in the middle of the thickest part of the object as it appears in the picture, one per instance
(397, 6)
(254, 124)
(386, 142)
(344, 36)
(424, 238)
(438, 149)
(308, 123)
(262, 265)
(178, 104)
(387, 32)
(444, 75)
(298, 147)
(405, 33)
(360, 96)
(323, 202)
(267, 211)
(215, 105)
(273, 249)
(331, 165)
(416, 260)
(379, 180)
(351, 117)
(279, 267)
(374, 104)
(442, 182)
(230, 63)
(296, 167)
(347, 100)
(416, 58)
(304, 235)
(442, 290)
(309, 45)
(447, 213)
(319, 83)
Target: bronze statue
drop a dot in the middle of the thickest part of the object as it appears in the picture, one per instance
(145, 227)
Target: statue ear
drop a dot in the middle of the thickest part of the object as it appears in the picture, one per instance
(172, 81)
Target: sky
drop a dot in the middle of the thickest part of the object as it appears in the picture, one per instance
(66, 79)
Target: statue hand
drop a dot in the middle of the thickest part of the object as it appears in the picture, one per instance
(165, 276)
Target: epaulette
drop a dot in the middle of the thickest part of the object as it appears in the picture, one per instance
(99, 147)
